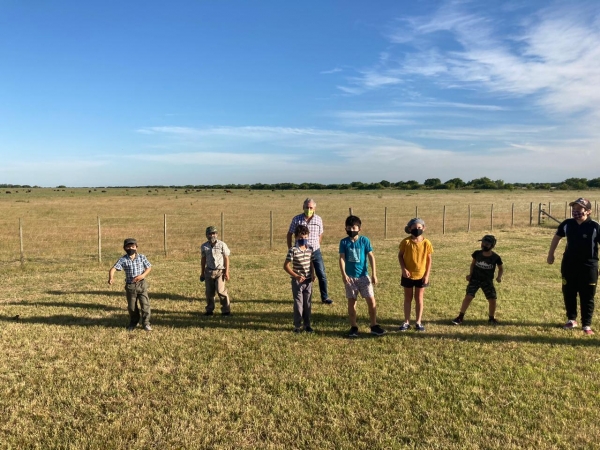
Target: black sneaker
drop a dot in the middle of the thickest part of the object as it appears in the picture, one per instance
(327, 301)
(404, 327)
(457, 321)
(131, 327)
(227, 313)
(377, 330)
(419, 327)
(493, 322)
(208, 313)
(353, 332)
(309, 330)
(298, 330)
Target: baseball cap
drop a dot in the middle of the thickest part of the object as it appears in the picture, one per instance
(129, 241)
(582, 202)
(489, 239)
(210, 230)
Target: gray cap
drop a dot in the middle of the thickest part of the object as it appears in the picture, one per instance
(413, 221)
(129, 241)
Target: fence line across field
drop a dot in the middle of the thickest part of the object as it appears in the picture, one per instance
(178, 227)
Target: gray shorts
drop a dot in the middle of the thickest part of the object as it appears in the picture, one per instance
(360, 285)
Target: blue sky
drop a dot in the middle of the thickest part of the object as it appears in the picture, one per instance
(204, 92)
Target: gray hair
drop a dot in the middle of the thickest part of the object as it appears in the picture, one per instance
(308, 201)
(413, 221)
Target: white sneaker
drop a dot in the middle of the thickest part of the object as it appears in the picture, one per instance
(570, 325)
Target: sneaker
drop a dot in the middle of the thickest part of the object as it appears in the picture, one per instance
(353, 332)
(327, 301)
(298, 330)
(131, 327)
(587, 330)
(419, 327)
(147, 327)
(457, 321)
(570, 325)
(309, 330)
(208, 313)
(405, 326)
(377, 330)
(493, 322)
(227, 313)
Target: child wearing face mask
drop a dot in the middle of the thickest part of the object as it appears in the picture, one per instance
(137, 267)
(481, 275)
(214, 273)
(414, 257)
(355, 251)
(298, 264)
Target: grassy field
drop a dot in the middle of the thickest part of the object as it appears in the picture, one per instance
(72, 377)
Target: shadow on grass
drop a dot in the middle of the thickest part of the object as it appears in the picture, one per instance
(121, 293)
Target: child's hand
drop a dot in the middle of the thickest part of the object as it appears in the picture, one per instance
(300, 279)
(499, 279)
(469, 277)
(346, 279)
(405, 273)
(226, 276)
(550, 259)
(425, 280)
(374, 279)
(110, 281)
(202, 278)
(138, 278)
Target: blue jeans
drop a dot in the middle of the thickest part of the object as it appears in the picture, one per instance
(317, 260)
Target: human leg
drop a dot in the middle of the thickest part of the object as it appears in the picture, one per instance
(587, 292)
(317, 259)
(569, 290)
(307, 304)
(223, 295)
(298, 304)
(210, 289)
(352, 312)
(144, 301)
(132, 305)
(408, 296)
(419, 293)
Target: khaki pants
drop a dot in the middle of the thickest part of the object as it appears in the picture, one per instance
(138, 292)
(215, 284)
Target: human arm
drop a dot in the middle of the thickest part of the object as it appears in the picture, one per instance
(226, 263)
(289, 239)
(555, 240)
(202, 267)
(471, 270)
(287, 266)
(427, 269)
(111, 275)
(405, 272)
(371, 257)
(345, 277)
(500, 273)
(142, 275)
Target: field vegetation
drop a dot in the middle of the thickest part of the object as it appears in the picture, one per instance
(72, 377)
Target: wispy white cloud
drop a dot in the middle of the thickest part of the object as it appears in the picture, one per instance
(374, 118)
(334, 70)
(458, 105)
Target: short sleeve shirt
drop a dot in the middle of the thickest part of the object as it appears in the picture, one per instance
(315, 229)
(485, 266)
(300, 260)
(355, 256)
(415, 256)
(132, 267)
(214, 255)
(582, 241)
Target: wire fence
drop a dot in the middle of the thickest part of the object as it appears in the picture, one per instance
(100, 239)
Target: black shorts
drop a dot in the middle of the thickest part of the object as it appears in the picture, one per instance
(409, 283)
(486, 286)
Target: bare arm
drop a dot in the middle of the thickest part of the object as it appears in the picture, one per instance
(555, 240)
(427, 269)
(371, 257)
(500, 273)
(405, 273)
(471, 270)
(226, 262)
(287, 266)
(343, 269)
(143, 275)
(111, 275)
(289, 239)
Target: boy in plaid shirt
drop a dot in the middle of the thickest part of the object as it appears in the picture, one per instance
(137, 267)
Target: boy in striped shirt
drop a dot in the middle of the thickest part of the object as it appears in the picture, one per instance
(298, 263)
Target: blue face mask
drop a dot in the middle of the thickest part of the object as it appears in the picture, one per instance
(302, 242)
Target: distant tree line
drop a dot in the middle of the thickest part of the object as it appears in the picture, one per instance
(430, 183)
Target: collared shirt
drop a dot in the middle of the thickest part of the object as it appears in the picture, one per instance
(300, 260)
(315, 229)
(214, 255)
(582, 241)
(132, 267)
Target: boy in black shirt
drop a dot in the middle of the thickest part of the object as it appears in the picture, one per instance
(579, 267)
(481, 276)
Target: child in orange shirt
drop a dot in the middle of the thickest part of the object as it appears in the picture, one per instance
(415, 262)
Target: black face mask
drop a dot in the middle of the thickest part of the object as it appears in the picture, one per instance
(486, 248)
(352, 233)
(130, 251)
(416, 232)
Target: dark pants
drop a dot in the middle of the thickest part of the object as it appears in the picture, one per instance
(579, 279)
(317, 260)
(302, 293)
(138, 292)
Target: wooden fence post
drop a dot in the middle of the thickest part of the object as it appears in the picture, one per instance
(469, 219)
(539, 214)
(21, 242)
(530, 213)
(550, 208)
(271, 232)
(165, 235)
(416, 211)
(99, 241)
(492, 218)
(512, 215)
(223, 226)
(566, 204)
(385, 223)
(444, 221)
(350, 211)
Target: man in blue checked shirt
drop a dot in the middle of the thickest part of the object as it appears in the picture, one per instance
(137, 268)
